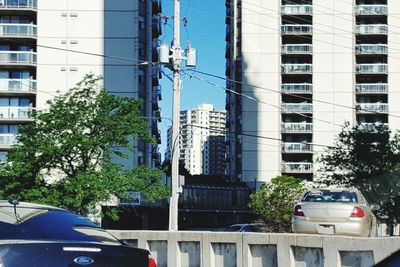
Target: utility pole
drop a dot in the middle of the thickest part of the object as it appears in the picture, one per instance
(176, 61)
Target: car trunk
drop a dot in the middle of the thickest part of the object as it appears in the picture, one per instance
(329, 212)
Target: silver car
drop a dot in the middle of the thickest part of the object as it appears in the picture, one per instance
(333, 212)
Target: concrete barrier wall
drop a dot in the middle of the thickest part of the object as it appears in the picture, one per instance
(217, 249)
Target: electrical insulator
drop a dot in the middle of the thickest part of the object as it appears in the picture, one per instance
(163, 54)
(191, 56)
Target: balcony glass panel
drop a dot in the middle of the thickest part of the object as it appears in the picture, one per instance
(17, 57)
(372, 88)
(372, 68)
(296, 9)
(18, 4)
(297, 167)
(21, 85)
(297, 68)
(297, 127)
(297, 107)
(297, 49)
(15, 112)
(372, 29)
(372, 49)
(372, 107)
(297, 88)
(19, 30)
(372, 125)
(296, 29)
(296, 147)
(7, 139)
(371, 10)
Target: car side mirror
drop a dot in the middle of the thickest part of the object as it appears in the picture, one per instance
(375, 206)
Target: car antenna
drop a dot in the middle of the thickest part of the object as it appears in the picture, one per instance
(14, 202)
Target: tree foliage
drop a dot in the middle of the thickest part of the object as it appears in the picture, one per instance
(368, 159)
(274, 202)
(64, 157)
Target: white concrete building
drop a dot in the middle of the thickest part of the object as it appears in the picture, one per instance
(47, 46)
(312, 65)
(201, 140)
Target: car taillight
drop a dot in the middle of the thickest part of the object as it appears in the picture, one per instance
(152, 262)
(298, 211)
(357, 212)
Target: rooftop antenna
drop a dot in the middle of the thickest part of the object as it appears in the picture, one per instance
(14, 202)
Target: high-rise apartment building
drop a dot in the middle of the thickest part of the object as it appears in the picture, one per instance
(312, 65)
(201, 140)
(47, 46)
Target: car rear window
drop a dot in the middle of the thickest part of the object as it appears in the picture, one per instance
(330, 196)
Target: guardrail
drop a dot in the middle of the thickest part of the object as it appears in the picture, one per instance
(222, 249)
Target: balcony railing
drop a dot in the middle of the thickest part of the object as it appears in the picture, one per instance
(297, 88)
(297, 167)
(18, 57)
(372, 29)
(7, 139)
(371, 9)
(297, 127)
(288, 147)
(297, 9)
(17, 85)
(297, 68)
(372, 125)
(372, 88)
(18, 30)
(376, 68)
(18, 4)
(15, 112)
(372, 49)
(297, 49)
(372, 107)
(296, 29)
(297, 107)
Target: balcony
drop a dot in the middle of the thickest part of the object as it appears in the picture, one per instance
(297, 107)
(288, 147)
(371, 10)
(17, 113)
(372, 107)
(296, 68)
(296, 29)
(18, 30)
(371, 29)
(296, 127)
(297, 167)
(371, 49)
(372, 88)
(296, 10)
(18, 58)
(372, 125)
(376, 68)
(7, 139)
(297, 49)
(18, 85)
(297, 88)
(18, 4)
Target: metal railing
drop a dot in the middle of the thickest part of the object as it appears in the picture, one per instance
(297, 107)
(297, 49)
(372, 68)
(15, 112)
(20, 85)
(371, 49)
(18, 57)
(297, 9)
(371, 10)
(297, 167)
(372, 125)
(296, 29)
(297, 88)
(372, 88)
(19, 30)
(372, 107)
(7, 139)
(296, 127)
(296, 147)
(297, 68)
(371, 29)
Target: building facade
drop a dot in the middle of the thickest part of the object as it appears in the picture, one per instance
(201, 140)
(47, 46)
(312, 65)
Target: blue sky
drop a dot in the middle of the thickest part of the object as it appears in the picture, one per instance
(206, 32)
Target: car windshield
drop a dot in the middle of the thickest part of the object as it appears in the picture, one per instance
(234, 228)
(330, 196)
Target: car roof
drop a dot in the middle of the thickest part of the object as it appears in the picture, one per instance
(7, 204)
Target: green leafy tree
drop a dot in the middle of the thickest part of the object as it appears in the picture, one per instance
(274, 202)
(368, 159)
(64, 157)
